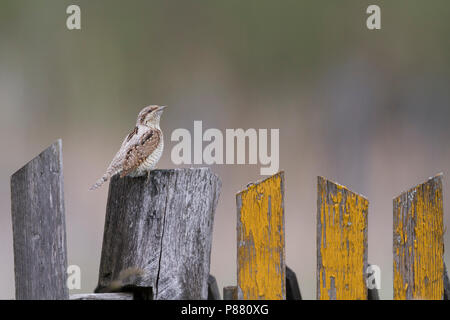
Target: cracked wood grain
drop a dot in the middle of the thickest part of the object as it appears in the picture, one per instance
(341, 242)
(418, 242)
(261, 240)
(39, 231)
(160, 228)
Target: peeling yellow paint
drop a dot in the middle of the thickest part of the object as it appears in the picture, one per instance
(261, 253)
(418, 272)
(342, 246)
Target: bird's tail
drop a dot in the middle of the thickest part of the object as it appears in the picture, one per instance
(99, 182)
(128, 277)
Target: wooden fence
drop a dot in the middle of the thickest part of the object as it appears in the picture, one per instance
(158, 234)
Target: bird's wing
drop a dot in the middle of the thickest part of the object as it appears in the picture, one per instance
(137, 152)
(131, 135)
(116, 164)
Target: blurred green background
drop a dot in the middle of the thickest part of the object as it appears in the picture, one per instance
(368, 109)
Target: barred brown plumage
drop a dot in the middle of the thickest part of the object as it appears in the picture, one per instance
(141, 149)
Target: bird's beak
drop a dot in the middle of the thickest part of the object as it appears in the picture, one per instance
(161, 108)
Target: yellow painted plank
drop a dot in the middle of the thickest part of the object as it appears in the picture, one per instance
(341, 242)
(260, 240)
(419, 242)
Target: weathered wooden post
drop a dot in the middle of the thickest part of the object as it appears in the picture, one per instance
(158, 233)
(103, 296)
(39, 231)
(419, 242)
(260, 240)
(230, 293)
(341, 243)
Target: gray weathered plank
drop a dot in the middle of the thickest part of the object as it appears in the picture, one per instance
(102, 296)
(39, 231)
(159, 228)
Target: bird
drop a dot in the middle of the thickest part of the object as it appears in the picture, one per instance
(127, 277)
(141, 149)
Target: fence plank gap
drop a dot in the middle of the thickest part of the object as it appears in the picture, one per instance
(39, 230)
(341, 242)
(419, 242)
(372, 282)
(158, 233)
(446, 284)
(213, 288)
(292, 287)
(372, 294)
(230, 293)
(261, 240)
